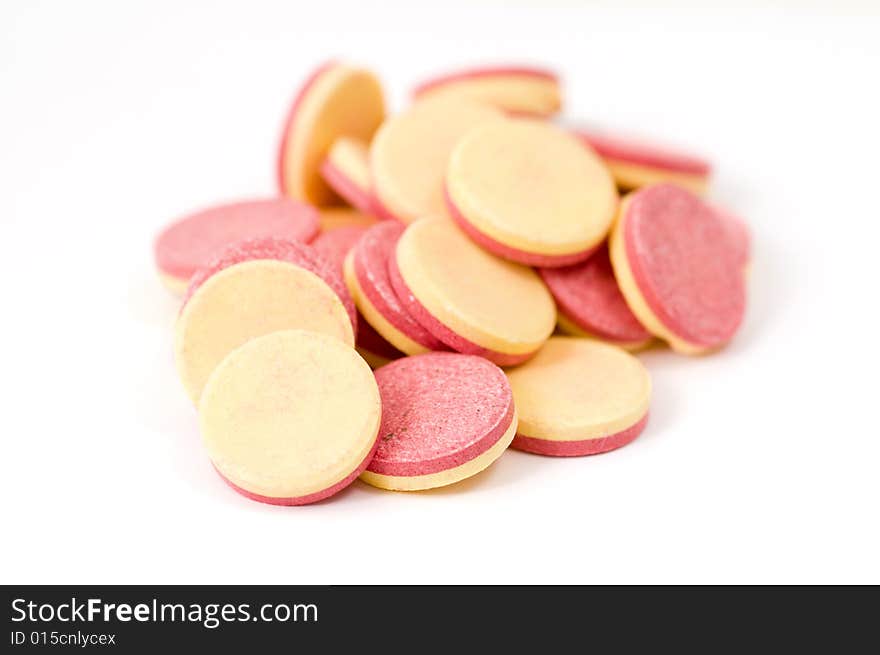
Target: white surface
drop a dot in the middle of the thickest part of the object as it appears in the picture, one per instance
(759, 464)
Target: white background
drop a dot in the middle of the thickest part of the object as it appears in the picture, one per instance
(760, 464)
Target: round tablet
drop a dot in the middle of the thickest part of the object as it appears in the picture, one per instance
(679, 268)
(292, 252)
(337, 100)
(635, 164)
(445, 417)
(409, 155)
(370, 283)
(331, 218)
(518, 90)
(469, 299)
(346, 169)
(291, 417)
(579, 397)
(370, 344)
(194, 240)
(530, 192)
(247, 300)
(590, 304)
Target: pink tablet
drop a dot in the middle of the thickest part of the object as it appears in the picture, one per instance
(635, 163)
(194, 240)
(467, 298)
(299, 254)
(369, 280)
(680, 267)
(579, 397)
(590, 303)
(337, 100)
(519, 90)
(528, 191)
(445, 417)
(291, 417)
(346, 169)
(336, 245)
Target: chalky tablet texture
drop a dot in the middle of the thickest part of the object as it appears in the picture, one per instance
(337, 100)
(257, 288)
(469, 299)
(409, 155)
(346, 169)
(530, 192)
(635, 164)
(590, 303)
(680, 267)
(291, 417)
(445, 417)
(336, 244)
(514, 89)
(193, 241)
(292, 252)
(579, 397)
(368, 279)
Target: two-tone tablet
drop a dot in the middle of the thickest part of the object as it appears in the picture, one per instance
(369, 281)
(410, 153)
(445, 417)
(679, 263)
(194, 240)
(346, 169)
(471, 300)
(290, 417)
(637, 163)
(579, 397)
(256, 288)
(336, 245)
(528, 191)
(590, 303)
(518, 90)
(337, 100)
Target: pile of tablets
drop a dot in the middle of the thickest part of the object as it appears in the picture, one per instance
(432, 287)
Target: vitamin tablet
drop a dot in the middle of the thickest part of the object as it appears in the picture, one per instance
(337, 100)
(469, 299)
(530, 192)
(370, 344)
(635, 164)
(331, 218)
(284, 250)
(254, 289)
(366, 273)
(346, 169)
(590, 304)
(336, 244)
(409, 155)
(291, 417)
(514, 89)
(445, 417)
(679, 267)
(193, 241)
(579, 397)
